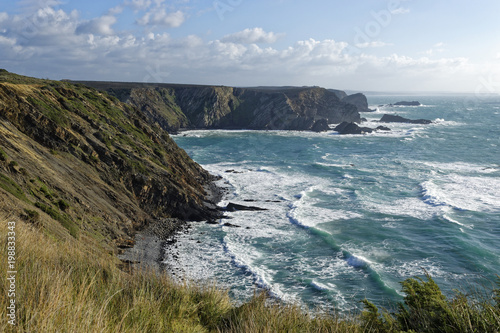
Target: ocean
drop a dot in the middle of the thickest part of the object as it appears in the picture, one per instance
(351, 216)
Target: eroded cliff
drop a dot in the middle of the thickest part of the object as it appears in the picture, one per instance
(100, 168)
(263, 108)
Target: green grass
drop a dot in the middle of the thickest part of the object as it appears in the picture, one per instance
(12, 187)
(3, 156)
(46, 192)
(62, 218)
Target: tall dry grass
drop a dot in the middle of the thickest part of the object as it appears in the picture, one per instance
(63, 286)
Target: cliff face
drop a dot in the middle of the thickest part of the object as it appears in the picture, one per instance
(196, 107)
(97, 166)
(359, 100)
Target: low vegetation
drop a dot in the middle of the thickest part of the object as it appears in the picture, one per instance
(63, 287)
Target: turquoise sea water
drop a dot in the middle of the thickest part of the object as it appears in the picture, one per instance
(349, 217)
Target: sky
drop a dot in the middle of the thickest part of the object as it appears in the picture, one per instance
(369, 45)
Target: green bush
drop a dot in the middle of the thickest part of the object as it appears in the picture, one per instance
(31, 216)
(426, 309)
(3, 155)
(64, 219)
(46, 191)
(12, 187)
(63, 205)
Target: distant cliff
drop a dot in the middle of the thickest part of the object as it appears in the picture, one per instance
(76, 161)
(359, 100)
(174, 106)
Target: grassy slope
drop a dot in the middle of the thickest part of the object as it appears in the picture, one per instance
(64, 287)
(68, 279)
(75, 155)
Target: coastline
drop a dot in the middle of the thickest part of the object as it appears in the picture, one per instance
(151, 243)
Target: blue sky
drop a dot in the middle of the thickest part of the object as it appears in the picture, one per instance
(378, 45)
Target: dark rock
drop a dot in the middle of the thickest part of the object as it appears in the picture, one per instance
(320, 125)
(177, 106)
(352, 128)
(359, 101)
(383, 128)
(388, 118)
(405, 103)
(233, 171)
(227, 224)
(232, 207)
(339, 93)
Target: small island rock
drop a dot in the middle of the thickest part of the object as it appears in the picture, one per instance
(389, 118)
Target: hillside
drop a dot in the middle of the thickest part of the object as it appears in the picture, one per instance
(175, 106)
(99, 167)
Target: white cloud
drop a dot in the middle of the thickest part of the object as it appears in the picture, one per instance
(251, 36)
(3, 16)
(163, 18)
(372, 44)
(100, 26)
(437, 48)
(61, 45)
(138, 4)
(7, 41)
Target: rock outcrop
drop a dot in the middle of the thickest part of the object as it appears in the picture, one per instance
(388, 118)
(320, 125)
(405, 103)
(352, 128)
(359, 100)
(174, 106)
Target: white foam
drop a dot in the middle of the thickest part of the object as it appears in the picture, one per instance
(410, 206)
(480, 194)
(306, 212)
(443, 122)
(322, 286)
(406, 269)
(357, 261)
(460, 167)
(471, 226)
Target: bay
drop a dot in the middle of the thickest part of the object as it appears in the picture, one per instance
(351, 216)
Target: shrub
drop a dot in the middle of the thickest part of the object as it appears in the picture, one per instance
(12, 187)
(31, 216)
(64, 219)
(3, 155)
(63, 205)
(45, 190)
(425, 307)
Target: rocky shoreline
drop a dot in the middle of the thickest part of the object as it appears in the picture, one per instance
(150, 244)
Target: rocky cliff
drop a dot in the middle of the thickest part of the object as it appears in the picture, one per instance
(174, 106)
(359, 100)
(99, 168)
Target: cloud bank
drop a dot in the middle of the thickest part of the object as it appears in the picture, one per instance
(57, 44)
